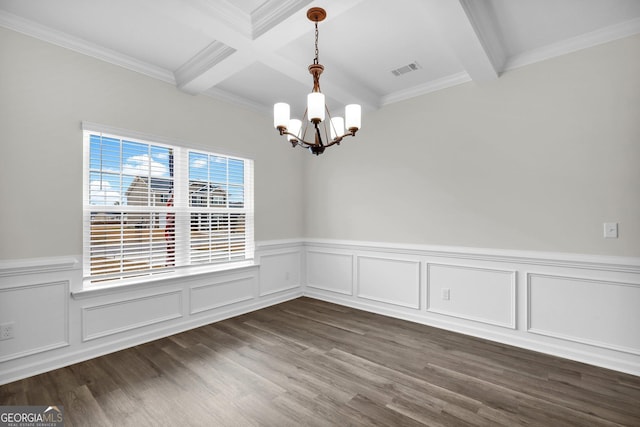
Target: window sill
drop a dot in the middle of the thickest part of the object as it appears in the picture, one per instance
(90, 289)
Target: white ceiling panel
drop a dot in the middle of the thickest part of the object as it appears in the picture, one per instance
(266, 86)
(386, 36)
(138, 29)
(529, 25)
(246, 6)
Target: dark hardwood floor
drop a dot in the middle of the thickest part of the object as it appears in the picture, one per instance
(308, 362)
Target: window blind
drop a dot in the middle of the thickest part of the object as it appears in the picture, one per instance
(151, 207)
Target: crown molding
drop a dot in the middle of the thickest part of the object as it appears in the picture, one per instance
(594, 38)
(33, 29)
(231, 98)
(584, 41)
(19, 267)
(432, 86)
(202, 62)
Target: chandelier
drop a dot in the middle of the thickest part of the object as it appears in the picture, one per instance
(317, 125)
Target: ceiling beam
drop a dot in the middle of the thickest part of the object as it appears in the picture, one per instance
(235, 50)
(191, 76)
(467, 27)
(205, 72)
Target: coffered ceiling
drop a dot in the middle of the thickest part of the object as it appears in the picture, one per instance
(375, 52)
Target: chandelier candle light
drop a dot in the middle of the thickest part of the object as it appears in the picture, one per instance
(334, 127)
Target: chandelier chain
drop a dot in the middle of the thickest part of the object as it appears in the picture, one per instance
(315, 60)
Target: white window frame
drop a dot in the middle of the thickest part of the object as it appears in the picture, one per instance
(183, 211)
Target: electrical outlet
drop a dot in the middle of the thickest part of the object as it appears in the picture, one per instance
(6, 331)
(446, 294)
(610, 230)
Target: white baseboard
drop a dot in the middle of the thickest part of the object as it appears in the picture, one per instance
(559, 350)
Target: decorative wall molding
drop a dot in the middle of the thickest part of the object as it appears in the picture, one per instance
(32, 266)
(47, 361)
(549, 259)
(393, 280)
(220, 293)
(508, 295)
(99, 321)
(144, 311)
(330, 271)
(499, 312)
(18, 348)
(280, 270)
(167, 306)
(273, 245)
(589, 321)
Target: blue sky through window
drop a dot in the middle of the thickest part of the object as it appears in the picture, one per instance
(114, 163)
(222, 172)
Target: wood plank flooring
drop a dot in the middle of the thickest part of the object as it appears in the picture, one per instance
(311, 363)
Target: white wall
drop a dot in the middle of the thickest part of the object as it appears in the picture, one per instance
(536, 160)
(495, 194)
(47, 91)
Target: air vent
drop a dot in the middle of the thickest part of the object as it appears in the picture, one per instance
(414, 66)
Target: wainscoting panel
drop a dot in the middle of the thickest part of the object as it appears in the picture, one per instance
(39, 316)
(279, 271)
(389, 280)
(107, 319)
(478, 294)
(580, 307)
(223, 291)
(600, 313)
(59, 321)
(330, 271)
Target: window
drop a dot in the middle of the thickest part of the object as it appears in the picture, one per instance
(151, 207)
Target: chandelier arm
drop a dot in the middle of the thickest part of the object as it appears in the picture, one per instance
(338, 139)
(297, 140)
(305, 144)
